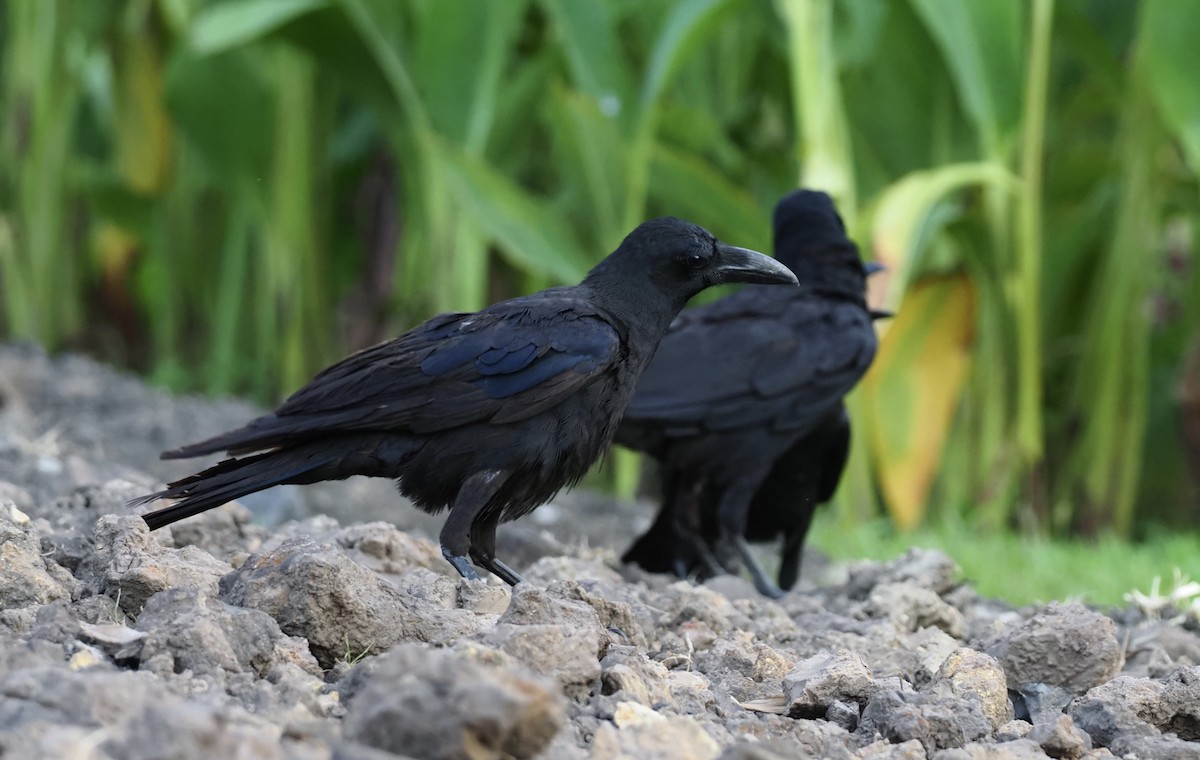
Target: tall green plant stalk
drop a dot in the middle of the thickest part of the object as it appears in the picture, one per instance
(1028, 263)
(1111, 384)
(296, 280)
(823, 149)
(40, 271)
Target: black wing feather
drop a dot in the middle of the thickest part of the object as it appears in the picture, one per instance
(500, 365)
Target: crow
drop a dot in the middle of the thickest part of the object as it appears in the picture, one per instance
(742, 405)
(489, 413)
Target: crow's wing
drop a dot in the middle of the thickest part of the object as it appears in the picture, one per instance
(504, 364)
(753, 361)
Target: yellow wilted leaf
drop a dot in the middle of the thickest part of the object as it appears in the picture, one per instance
(913, 388)
(901, 214)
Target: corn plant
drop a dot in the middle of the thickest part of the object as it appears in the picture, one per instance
(229, 194)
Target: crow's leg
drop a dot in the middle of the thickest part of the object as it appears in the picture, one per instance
(793, 547)
(684, 504)
(483, 548)
(731, 525)
(473, 495)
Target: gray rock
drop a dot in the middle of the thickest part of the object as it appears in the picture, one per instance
(353, 751)
(912, 607)
(1020, 749)
(591, 566)
(1059, 737)
(630, 676)
(931, 647)
(745, 667)
(127, 715)
(967, 672)
(1065, 645)
(194, 731)
(562, 652)
(483, 598)
(819, 681)
(1141, 747)
(941, 721)
(130, 566)
(1124, 705)
(553, 635)
(44, 739)
(749, 751)
(384, 549)
(615, 615)
(925, 568)
(1013, 730)
(844, 714)
(26, 578)
(686, 605)
(446, 704)
(1182, 689)
(186, 629)
(691, 693)
(886, 750)
(344, 610)
(1034, 699)
(639, 733)
(1141, 707)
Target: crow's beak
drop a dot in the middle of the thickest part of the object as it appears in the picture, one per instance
(881, 314)
(874, 267)
(745, 265)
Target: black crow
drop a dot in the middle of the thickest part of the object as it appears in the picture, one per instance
(489, 413)
(742, 405)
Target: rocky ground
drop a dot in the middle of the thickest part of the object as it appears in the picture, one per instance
(334, 634)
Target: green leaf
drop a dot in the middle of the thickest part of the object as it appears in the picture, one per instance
(591, 149)
(225, 106)
(527, 231)
(981, 41)
(1171, 54)
(226, 25)
(457, 67)
(684, 185)
(588, 36)
(688, 26)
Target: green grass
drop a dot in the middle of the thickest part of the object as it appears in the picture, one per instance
(1022, 570)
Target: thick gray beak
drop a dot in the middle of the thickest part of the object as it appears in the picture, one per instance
(872, 267)
(745, 265)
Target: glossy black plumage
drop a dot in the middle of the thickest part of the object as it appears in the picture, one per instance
(489, 413)
(742, 404)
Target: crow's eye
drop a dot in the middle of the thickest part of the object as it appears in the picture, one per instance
(695, 261)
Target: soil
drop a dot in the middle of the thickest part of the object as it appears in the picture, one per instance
(322, 622)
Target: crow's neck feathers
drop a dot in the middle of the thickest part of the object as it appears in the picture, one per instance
(645, 308)
(832, 268)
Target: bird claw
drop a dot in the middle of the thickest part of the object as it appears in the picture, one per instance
(762, 582)
(502, 571)
(460, 564)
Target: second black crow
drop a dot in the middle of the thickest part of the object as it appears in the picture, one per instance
(742, 405)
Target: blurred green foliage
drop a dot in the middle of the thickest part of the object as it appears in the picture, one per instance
(229, 195)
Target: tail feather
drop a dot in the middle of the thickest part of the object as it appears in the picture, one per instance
(233, 478)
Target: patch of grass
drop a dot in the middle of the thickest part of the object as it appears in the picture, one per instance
(352, 657)
(1023, 570)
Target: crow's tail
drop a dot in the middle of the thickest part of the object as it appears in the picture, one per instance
(234, 478)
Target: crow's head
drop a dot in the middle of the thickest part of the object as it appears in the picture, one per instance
(680, 259)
